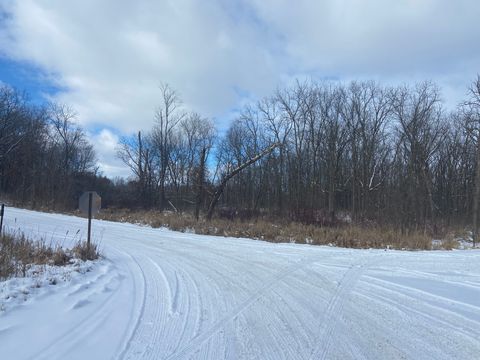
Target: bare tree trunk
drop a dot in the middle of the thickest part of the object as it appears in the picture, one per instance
(477, 195)
(331, 188)
(200, 182)
(431, 204)
(331, 199)
(354, 177)
(227, 177)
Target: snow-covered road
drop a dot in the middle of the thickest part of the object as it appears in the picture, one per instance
(167, 295)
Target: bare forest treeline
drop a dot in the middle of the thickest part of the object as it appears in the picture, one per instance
(45, 157)
(316, 152)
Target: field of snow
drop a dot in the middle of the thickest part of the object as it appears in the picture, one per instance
(166, 295)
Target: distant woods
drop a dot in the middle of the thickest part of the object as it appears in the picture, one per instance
(318, 153)
(45, 157)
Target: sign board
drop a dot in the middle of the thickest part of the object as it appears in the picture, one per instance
(96, 202)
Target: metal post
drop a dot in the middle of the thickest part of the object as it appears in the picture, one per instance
(89, 219)
(2, 210)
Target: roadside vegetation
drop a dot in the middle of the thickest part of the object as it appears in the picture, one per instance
(342, 235)
(18, 253)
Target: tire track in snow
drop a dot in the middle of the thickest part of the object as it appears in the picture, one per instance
(150, 319)
(433, 276)
(129, 338)
(465, 331)
(185, 307)
(335, 308)
(406, 289)
(291, 319)
(172, 295)
(197, 269)
(168, 310)
(286, 327)
(196, 266)
(193, 267)
(195, 305)
(412, 312)
(205, 336)
(399, 337)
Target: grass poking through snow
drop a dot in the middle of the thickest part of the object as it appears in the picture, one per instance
(18, 253)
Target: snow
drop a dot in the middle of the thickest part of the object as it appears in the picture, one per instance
(38, 281)
(166, 295)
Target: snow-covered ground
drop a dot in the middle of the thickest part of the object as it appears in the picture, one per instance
(166, 295)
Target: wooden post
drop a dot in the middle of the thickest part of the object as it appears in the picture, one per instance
(89, 220)
(2, 210)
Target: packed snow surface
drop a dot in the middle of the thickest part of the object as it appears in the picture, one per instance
(166, 295)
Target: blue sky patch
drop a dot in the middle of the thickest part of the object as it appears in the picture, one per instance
(28, 78)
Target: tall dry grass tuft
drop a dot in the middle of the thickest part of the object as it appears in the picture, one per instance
(84, 252)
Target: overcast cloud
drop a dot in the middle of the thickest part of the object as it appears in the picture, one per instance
(109, 56)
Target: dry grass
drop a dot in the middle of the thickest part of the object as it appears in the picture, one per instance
(83, 252)
(350, 236)
(18, 253)
(449, 242)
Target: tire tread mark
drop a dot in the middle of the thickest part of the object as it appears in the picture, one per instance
(334, 307)
(205, 336)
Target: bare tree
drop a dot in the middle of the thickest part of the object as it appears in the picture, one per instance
(232, 173)
(168, 116)
(135, 152)
(472, 114)
(199, 134)
(421, 130)
(389, 155)
(13, 115)
(200, 181)
(277, 130)
(331, 103)
(70, 145)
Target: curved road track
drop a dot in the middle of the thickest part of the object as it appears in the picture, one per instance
(167, 295)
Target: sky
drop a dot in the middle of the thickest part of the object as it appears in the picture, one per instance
(107, 58)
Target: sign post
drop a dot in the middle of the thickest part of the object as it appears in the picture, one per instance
(89, 219)
(89, 204)
(2, 211)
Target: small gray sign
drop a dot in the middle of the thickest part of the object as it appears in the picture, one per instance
(96, 202)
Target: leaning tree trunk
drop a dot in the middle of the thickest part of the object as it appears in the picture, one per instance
(227, 177)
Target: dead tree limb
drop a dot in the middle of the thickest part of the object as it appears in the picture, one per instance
(219, 191)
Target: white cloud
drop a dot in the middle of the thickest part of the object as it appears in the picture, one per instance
(110, 55)
(377, 37)
(105, 143)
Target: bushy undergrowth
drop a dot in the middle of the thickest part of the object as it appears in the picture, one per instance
(347, 235)
(18, 253)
